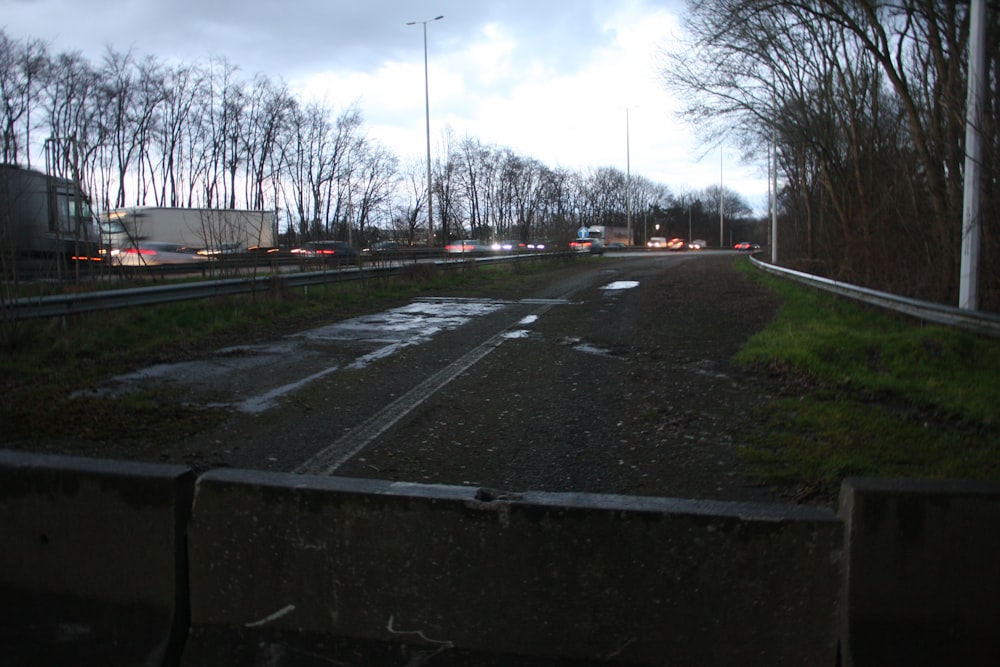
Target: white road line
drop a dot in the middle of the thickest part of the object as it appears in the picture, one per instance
(262, 402)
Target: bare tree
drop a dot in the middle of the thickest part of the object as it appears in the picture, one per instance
(308, 133)
(866, 102)
(138, 131)
(411, 203)
(557, 206)
(22, 74)
(525, 176)
(375, 171)
(603, 197)
(120, 103)
(450, 205)
(68, 106)
(471, 155)
(183, 87)
(269, 109)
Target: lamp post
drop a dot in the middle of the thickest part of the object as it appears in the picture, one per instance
(722, 236)
(972, 214)
(628, 178)
(427, 111)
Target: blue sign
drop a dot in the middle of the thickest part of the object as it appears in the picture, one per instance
(582, 233)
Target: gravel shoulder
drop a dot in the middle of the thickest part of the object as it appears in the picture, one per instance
(624, 391)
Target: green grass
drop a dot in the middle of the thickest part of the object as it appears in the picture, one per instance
(114, 338)
(868, 393)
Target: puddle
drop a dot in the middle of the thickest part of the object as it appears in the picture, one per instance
(516, 333)
(413, 323)
(254, 370)
(621, 284)
(593, 349)
(580, 345)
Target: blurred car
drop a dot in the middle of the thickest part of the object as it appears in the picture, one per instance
(336, 251)
(507, 246)
(594, 246)
(676, 244)
(384, 246)
(657, 242)
(222, 249)
(467, 247)
(156, 253)
(697, 244)
(746, 245)
(540, 245)
(617, 245)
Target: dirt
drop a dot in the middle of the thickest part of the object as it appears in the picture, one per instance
(657, 406)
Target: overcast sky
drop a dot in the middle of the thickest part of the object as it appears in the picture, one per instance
(572, 83)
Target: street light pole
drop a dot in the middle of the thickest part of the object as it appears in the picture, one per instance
(628, 178)
(427, 111)
(722, 234)
(968, 287)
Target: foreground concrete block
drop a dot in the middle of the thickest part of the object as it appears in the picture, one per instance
(299, 570)
(923, 576)
(93, 561)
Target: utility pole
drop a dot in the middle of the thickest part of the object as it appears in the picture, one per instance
(722, 237)
(628, 178)
(774, 197)
(427, 110)
(968, 290)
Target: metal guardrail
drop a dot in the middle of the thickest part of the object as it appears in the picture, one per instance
(87, 302)
(987, 324)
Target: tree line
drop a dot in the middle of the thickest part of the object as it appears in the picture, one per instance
(139, 131)
(864, 104)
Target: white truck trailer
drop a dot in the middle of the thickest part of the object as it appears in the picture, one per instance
(213, 230)
(610, 234)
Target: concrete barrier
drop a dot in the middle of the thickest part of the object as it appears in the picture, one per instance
(300, 570)
(923, 575)
(92, 562)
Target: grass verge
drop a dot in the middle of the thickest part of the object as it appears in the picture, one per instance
(869, 393)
